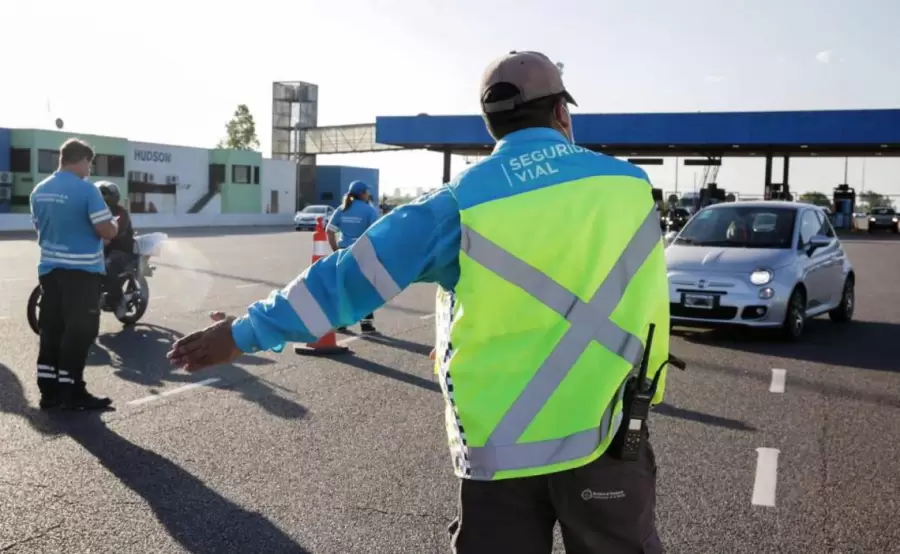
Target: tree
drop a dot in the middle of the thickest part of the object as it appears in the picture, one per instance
(816, 198)
(240, 131)
(874, 200)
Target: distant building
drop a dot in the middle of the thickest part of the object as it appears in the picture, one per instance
(154, 178)
(332, 182)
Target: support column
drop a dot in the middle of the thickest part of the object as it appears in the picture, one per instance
(446, 167)
(785, 172)
(767, 186)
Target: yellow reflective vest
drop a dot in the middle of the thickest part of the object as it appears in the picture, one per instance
(562, 271)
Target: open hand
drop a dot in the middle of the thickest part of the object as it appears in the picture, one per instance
(207, 347)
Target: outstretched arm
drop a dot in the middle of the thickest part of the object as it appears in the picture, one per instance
(418, 242)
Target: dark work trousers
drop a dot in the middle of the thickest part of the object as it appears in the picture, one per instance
(69, 321)
(605, 507)
(116, 261)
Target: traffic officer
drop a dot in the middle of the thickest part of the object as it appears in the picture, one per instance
(351, 219)
(72, 220)
(551, 271)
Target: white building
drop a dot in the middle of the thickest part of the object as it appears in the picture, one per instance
(279, 186)
(166, 179)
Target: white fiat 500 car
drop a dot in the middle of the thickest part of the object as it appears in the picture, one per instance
(759, 264)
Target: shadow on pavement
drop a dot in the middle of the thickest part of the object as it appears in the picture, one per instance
(395, 342)
(197, 517)
(860, 344)
(385, 371)
(138, 354)
(14, 402)
(701, 417)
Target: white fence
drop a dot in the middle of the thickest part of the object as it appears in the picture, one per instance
(22, 222)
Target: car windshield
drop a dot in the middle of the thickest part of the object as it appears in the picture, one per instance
(882, 211)
(314, 210)
(740, 227)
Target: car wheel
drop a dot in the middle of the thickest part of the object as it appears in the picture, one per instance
(795, 316)
(844, 312)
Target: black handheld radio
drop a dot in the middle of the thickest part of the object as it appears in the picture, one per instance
(626, 445)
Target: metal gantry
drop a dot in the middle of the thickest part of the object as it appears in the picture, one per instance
(296, 135)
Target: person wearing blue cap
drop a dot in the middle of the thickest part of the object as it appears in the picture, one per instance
(355, 215)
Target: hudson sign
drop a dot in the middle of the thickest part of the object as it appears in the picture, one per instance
(152, 156)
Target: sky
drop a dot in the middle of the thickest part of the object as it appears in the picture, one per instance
(173, 71)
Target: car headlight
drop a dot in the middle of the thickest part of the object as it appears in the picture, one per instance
(872, 219)
(761, 277)
(894, 220)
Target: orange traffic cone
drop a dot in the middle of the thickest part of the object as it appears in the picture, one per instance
(431, 356)
(326, 345)
(321, 248)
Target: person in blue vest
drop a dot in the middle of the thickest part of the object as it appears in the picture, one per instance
(353, 218)
(72, 221)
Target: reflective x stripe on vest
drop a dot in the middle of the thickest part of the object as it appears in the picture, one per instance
(588, 322)
(307, 307)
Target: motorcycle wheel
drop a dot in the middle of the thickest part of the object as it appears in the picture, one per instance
(138, 305)
(34, 302)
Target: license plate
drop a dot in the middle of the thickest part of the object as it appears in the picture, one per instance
(698, 301)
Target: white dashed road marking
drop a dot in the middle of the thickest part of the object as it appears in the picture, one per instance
(777, 385)
(429, 316)
(766, 477)
(247, 286)
(202, 383)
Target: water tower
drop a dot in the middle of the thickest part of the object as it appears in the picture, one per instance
(295, 110)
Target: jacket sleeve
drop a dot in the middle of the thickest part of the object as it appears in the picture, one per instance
(418, 242)
(125, 230)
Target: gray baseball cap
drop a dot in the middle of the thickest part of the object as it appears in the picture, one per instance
(533, 73)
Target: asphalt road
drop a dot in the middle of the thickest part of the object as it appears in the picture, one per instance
(280, 453)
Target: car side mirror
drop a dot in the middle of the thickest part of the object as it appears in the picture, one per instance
(816, 242)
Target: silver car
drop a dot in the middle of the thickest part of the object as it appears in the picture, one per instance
(759, 264)
(305, 219)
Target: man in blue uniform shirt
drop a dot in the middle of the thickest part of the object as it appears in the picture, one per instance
(525, 106)
(72, 220)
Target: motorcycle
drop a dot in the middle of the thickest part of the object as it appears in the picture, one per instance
(136, 289)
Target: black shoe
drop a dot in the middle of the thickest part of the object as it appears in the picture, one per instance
(50, 401)
(341, 329)
(367, 327)
(84, 400)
